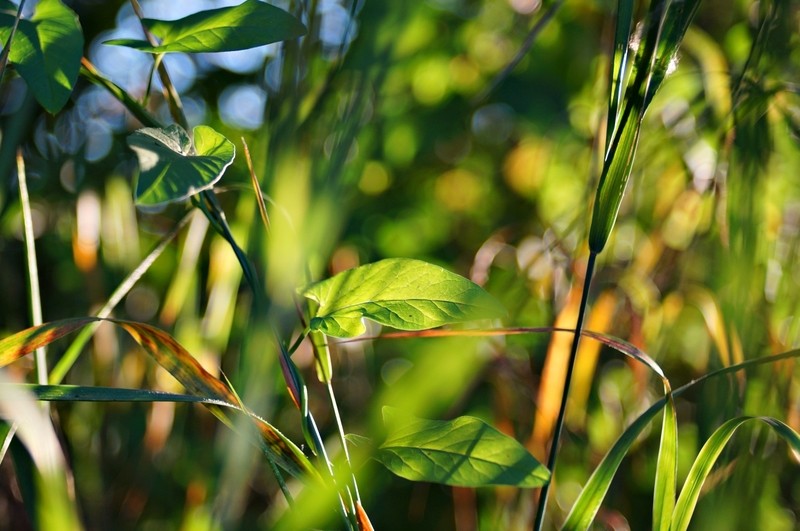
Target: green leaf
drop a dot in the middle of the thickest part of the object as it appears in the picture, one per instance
(614, 178)
(666, 469)
(702, 466)
(591, 497)
(80, 393)
(247, 25)
(398, 292)
(463, 452)
(172, 168)
(26, 341)
(677, 19)
(619, 66)
(47, 51)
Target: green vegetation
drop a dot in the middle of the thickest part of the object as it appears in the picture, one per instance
(432, 265)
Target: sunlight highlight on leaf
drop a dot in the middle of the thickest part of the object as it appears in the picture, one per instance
(174, 167)
(398, 292)
(247, 25)
(463, 452)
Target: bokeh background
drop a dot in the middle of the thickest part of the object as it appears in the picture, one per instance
(394, 130)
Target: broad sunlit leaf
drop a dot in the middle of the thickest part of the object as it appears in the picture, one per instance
(172, 167)
(398, 292)
(247, 25)
(465, 452)
(46, 51)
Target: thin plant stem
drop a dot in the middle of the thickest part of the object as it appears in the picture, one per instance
(32, 265)
(170, 92)
(7, 47)
(342, 439)
(262, 206)
(90, 72)
(551, 459)
(272, 464)
(320, 447)
(523, 50)
(12, 431)
(73, 351)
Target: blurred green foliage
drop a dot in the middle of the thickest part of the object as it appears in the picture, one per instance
(393, 149)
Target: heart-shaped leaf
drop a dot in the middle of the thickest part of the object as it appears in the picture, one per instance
(464, 452)
(172, 168)
(47, 51)
(398, 292)
(246, 25)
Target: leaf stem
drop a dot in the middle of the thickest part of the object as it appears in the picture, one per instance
(551, 460)
(33, 267)
(170, 92)
(90, 72)
(7, 47)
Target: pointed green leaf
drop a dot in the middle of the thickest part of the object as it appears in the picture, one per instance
(619, 65)
(666, 469)
(168, 353)
(398, 292)
(80, 393)
(48, 484)
(702, 466)
(26, 341)
(677, 19)
(47, 51)
(591, 497)
(246, 25)
(172, 168)
(614, 179)
(464, 452)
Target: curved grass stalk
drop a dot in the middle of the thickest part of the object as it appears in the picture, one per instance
(588, 503)
(7, 47)
(684, 509)
(90, 72)
(32, 265)
(74, 350)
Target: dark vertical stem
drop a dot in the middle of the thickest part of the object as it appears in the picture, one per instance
(551, 459)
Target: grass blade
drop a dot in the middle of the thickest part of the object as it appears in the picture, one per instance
(26, 341)
(262, 206)
(708, 456)
(588, 503)
(619, 65)
(591, 497)
(82, 393)
(52, 503)
(7, 46)
(667, 468)
(614, 179)
(33, 267)
(677, 19)
(90, 72)
(168, 353)
(74, 350)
